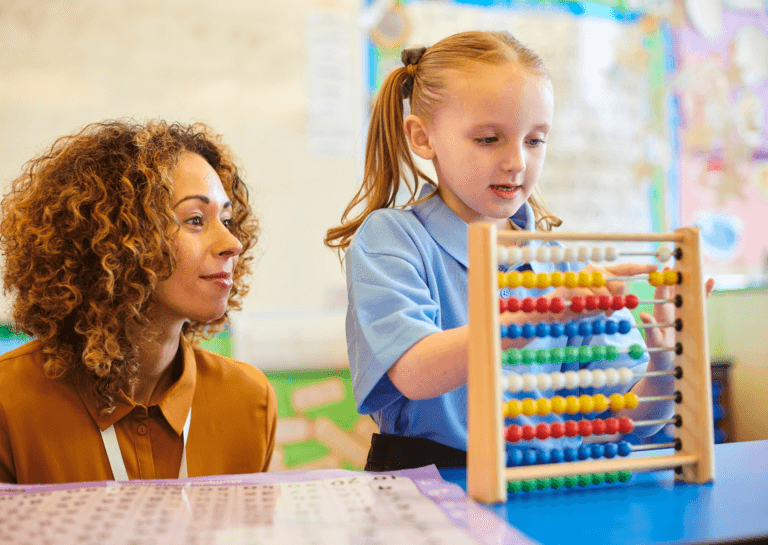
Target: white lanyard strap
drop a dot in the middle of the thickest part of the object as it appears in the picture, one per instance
(115, 455)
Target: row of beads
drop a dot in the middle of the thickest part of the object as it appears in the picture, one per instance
(557, 254)
(569, 354)
(569, 428)
(569, 329)
(577, 303)
(570, 404)
(569, 482)
(583, 279)
(527, 457)
(557, 380)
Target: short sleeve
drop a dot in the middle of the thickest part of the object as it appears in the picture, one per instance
(391, 307)
(271, 426)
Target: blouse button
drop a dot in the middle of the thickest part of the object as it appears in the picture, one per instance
(142, 429)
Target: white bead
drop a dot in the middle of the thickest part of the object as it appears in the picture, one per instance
(527, 254)
(597, 254)
(542, 254)
(663, 254)
(503, 254)
(571, 379)
(514, 255)
(583, 254)
(529, 382)
(611, 377)
(598, 378)
(555, 254)
(610, 253)
(504, 383)
(585, 378)
(543, 381)
(558, 380)
(625, 375)
(569, 255)
(514, 383)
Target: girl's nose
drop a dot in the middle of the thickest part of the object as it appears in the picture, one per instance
(514, 160)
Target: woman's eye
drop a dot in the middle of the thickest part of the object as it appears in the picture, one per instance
(487, 140)
(197, 221)
(229, 224)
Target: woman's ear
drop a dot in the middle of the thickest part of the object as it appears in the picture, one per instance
(416, 131)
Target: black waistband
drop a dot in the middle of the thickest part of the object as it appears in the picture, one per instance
(393, 452)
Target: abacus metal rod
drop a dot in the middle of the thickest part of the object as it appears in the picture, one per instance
(652, 446)
(651, 463)
(509, 235)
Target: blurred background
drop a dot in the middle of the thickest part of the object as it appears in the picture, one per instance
(660, 122)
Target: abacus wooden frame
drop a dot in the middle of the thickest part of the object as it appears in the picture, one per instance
(487, 474)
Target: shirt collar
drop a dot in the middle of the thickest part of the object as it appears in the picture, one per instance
(449, 230)
(175, 403)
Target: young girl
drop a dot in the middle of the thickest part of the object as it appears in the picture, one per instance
(122, 244)
(481, 107)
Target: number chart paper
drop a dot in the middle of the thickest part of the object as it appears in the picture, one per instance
(314, 507)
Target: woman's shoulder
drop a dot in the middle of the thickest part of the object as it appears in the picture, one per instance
(24, 362)
(234, 376)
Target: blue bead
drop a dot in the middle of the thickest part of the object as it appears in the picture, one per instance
(543, 457)
(624, 327)
(598, 327)
(625, 448)
(556, 329)
(505, 293)
(529, 458)
(557, 455)
(542, 330)
(529, 331)
(611, 327)
(598, 451)
(504, 331)
(571, 329)
(514, 457)
(571, 454)
(611, 450)
(585, 451)
(514, 331)
(585, 329)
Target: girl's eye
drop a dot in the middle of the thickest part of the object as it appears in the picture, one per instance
(536, 142)
(487, 140)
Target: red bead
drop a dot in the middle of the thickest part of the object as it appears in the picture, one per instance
(542, 431)
(598, 426)
(632, 301)
(542, 304)
(571, 428)
(605, 302)
(617, 303)
(611, 426)
(502, 305)
(513, 304)
(577, 304)
(556, 304)
(557, 430)
(591, 302)
(529, 432)
(528, 304)
(513, 434)
(626, 425)
(585, 428)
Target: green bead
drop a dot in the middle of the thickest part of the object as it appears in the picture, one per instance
(512, 357)
(636, 351)
(570, 354)
(611, 353)
(542, 355)
(624, 475)
(556, 355)
(514, 486)
(528, 355)
(556, 482)
(529, 485)
(612, 477)
(585, 354)
(598, 352)
(543, 484)
(598, 478)
(570, 481)
(585, 480)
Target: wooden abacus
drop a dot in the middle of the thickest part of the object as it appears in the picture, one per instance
(487, 474)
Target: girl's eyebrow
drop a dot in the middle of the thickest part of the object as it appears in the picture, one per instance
(544, 127)
(203, 198)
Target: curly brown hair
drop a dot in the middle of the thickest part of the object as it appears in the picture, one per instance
(86, 232)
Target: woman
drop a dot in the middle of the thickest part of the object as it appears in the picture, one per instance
(122, 244)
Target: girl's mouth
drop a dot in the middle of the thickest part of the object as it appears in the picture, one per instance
(506, 191)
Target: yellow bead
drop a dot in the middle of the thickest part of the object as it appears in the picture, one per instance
(598, 280)
(670, 277)
(513, 408)
(585, 403)
(572, 404)
(556, 279)
(617, 402)
(630, 400)
(600, 402)
(584, 280)
(656, 279)
(558, 404)
(542, 281)
(529, 406)
(514, 279)
(529, 279)
(502, 280)
(570, 279)
(543, 406)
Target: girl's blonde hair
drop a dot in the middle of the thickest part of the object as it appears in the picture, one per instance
(388, 159)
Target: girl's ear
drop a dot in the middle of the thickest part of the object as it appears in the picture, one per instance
(416, 131)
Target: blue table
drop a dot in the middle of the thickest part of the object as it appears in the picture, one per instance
(652, 507)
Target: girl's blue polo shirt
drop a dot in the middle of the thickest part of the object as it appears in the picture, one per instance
(406, 279)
